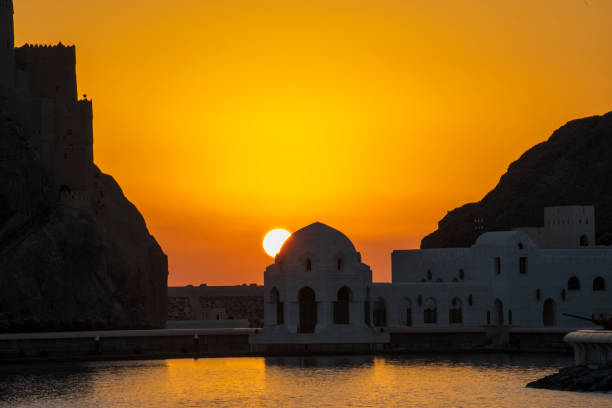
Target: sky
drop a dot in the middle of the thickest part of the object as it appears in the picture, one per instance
(224, 119)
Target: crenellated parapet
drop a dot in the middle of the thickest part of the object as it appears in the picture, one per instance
(50, 70)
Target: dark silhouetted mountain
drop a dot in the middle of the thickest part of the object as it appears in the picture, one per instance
(574, 167)
(67, 266)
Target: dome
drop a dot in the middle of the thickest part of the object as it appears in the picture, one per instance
(505, 238)
(320, 241)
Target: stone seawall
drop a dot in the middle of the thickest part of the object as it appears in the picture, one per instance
(124, 344)
(194, 343)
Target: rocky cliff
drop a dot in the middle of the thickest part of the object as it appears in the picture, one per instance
(572, 168)
(76, 263)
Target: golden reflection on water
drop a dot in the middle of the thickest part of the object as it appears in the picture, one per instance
(431, 381)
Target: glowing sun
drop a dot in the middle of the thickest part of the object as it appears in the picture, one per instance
(274, 240)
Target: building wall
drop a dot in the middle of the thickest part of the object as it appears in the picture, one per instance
(545, 276)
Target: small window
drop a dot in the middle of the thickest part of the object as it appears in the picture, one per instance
(573, 283)
(599, 284)
(429, 275)
(339, 264)
(461, 274)
(520, 245)
(470, 300)
(308, 265)
(497, 265)
(584, 241)
(538, 294)
(510, 317)
(523, 265)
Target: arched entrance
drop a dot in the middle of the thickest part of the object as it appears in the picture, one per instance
(308, 310)
(342, 306)
(549, 314)
(499, 312)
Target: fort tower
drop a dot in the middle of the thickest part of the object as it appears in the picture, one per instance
(7, 45)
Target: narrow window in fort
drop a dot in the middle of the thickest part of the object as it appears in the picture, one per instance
(538, 295)
(523, 265)
(599, 284)
(308, 265)
(461, 274)
(420, 300)
(488, 317)
(339, 264)
(573, 283)
(520, 245)
(470, 300)
(68, 132)
(430, 314)
(563, 294)
(509, 316)
(497, 265)
(429, 275)
(584, 241)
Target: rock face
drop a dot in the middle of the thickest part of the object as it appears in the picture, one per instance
(572, 168)
(76, 263)
(578, 378)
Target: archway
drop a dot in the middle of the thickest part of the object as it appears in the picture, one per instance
(455, 313)
(430, 313)
(549, 313)
(342, 306)
(380, 312)
(278, 306)
(499, 312)
(308, 310)
(405, 311)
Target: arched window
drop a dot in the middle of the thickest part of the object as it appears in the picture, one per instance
(308, 265)
(599, 283)
(499, 312)
(342, 306)
(278, 306)
(573, 283)
(584, 241)
(366, 307)
(455, 313)
(430, 313)
(308, 310)
(405, 311)
(549, 317)
(380, 312)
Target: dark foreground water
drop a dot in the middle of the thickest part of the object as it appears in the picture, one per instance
(417, 381)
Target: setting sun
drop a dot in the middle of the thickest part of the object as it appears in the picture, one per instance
(274, 240)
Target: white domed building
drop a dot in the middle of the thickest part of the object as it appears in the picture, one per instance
(318, 291)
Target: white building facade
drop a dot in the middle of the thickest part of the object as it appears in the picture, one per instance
(318, 290)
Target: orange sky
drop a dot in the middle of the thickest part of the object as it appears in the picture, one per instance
(224, 119)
